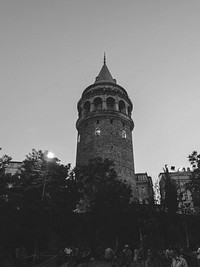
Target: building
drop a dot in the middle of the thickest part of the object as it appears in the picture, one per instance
(181, 177)
(144, 188)
(105, 125)
(13, 167)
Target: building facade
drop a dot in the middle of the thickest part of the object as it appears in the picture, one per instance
(105, 125)
(13, 167)
(144, 188)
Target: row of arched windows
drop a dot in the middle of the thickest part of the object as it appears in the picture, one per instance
(109, 104)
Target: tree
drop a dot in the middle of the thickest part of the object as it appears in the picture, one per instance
(5, 179)
(7, 209)
(171, 198)
(43, 181)
(194, 184)
(44, 192)
(100, 188)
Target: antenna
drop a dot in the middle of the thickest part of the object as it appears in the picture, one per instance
(104, 58)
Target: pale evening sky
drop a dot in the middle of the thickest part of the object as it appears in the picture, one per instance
(51, 51)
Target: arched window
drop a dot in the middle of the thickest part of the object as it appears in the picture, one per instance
(97, 131)
(97, 103)
(122, 106)
(86, 107)
(124, 134)
(110, 103)
(129, 110)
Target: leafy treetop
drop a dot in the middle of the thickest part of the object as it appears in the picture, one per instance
(100, 188)
(194, 184)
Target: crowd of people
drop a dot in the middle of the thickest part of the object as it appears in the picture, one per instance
(107, 256)
(128, 257)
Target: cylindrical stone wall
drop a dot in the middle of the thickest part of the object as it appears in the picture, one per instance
(106, 132)
(107, 136)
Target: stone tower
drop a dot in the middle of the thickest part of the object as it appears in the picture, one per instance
(105, 126)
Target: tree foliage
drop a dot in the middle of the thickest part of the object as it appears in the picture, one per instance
(7, 212)
(36, 199)
(194, 184)
(43, 180)
(171, 198)
(100, 188)
(5, 179)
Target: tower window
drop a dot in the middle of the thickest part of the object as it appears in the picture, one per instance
(97, 131)
(129, 110)
(110, 102)
(122, 106)
(86, 107)
(97, 103)
(124, 134)
(97, 121)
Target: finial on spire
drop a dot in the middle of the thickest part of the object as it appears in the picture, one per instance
(104, 59)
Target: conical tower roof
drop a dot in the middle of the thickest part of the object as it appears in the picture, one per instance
(104, 74)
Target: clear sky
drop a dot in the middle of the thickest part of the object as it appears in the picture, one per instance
(51, 50)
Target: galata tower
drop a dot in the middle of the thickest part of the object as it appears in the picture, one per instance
(105, 125)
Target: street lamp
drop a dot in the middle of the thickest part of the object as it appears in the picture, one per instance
(48, 156)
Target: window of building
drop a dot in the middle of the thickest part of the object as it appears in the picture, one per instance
(110, 102)
(124, 134)
(97, 131)
(129, 110)
(86, 107)
(122, 106)
(97, 103)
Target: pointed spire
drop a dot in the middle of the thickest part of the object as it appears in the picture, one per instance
(104, 74)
